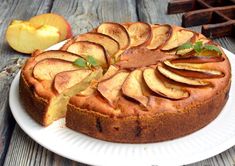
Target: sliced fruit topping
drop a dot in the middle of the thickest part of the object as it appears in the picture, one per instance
(134, 87)
(54, 20)
(58, 55)
(47, 69)
(110, 89)
(24, 37)
(161, 34)
(85, 49)
(139, 33)
(117, 32)
(110, 72)
(199, 49)
(67, 79)
(193, 67)
(67, 44)
(178, 78)
(109, 44)
(178, 38)
(161, 87)
(198, 59)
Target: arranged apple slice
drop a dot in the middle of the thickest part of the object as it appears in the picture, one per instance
(193, 67)
(109, 44)
(178, 78)
(67, 79)
(57, 54)
(46, 69)
(110, 72)
(117, 32)
(178, 38)
(85, 48)
(139, 33)
(24, 37)
(161, 87)
(134, 87)
(54, 20)
(198, 59)
(110, 89)
(161, 34)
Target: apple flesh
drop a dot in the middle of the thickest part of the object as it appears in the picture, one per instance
(161, 87)
(117, 32)
(110, 45)
(54, 20)
(26, 38)
(67, 79)
(85, 48)
(161, 34)
(181, 79)
(139, 33)
(110, 89)
(134, 87)
(46, 69)
(198, 59)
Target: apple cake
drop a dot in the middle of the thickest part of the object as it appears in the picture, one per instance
(130, 82)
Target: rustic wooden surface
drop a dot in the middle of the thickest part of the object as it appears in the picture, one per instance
(16, 148)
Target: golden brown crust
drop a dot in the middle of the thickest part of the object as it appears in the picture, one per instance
(144, 129)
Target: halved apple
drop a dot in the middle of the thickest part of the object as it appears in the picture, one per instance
(178, 78)
(178, 38)
(46, 69)
(134, 87)
(57, 54)
(67, 79)
(54, 20)
(109, 44)
(139, 33)
(161, 34)
(24, 37)
(161, 87)
(198, 59)
(117, 32)
(110, 89)
(110, 72)
(85, 48)
(194, 67)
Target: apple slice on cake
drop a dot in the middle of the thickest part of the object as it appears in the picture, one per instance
(162, 87)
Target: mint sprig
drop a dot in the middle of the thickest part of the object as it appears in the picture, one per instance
(89, 62)
(198, 47)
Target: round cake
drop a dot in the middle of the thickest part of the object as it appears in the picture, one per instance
(130, 82)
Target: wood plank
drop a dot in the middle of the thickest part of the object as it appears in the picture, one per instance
(83, 16)
(154, 11)
(17, 9)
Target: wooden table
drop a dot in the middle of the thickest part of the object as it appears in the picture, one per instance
(16, 148)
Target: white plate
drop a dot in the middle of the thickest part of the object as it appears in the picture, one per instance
(207, 142)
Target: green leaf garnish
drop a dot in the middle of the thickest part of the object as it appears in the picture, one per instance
(80, 62)
(212, 48)
(88, 62)
(185, 46)
(91, 60)
(198, 46)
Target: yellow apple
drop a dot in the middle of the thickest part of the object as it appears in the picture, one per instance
(22, 36)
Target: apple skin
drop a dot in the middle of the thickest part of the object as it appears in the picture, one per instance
(55, 20)
(25, 38)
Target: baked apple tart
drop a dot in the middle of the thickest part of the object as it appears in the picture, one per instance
(130, 82)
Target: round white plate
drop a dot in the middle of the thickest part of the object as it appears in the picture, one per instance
(207, 142)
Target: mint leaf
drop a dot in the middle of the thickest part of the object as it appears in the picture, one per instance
(185, 46)
(80, 62)
(91, 60)
(198, 46)
(212, 48)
